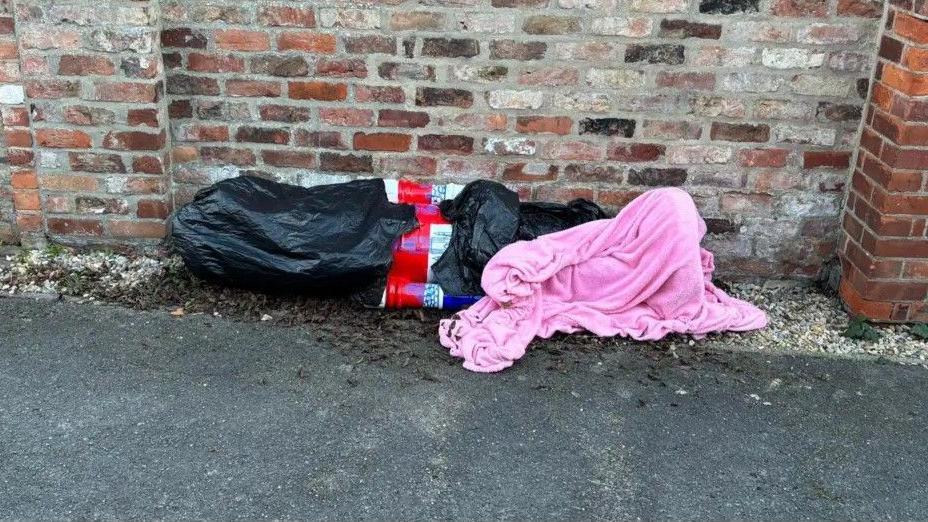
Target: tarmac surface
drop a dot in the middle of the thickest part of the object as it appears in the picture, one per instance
(112, 413)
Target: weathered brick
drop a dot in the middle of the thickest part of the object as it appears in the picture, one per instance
(573, 150)
(530, 172)
(347, 117)
(262, 135)
(660, 53)
(241, 40)
(133, 140)
(763, 157)
(408, 71)
(548, 24)
(796, 8)
(322, 139)
(85, 65)
(63, 138)
(379, 94)
(400, 118)
(408, 166)
(618, 26)
(276, 65)
(306, 41)
(480, 73)
(345, 68)
(634, 152)
(721, 131)
(509, 146)
(544, 125)
(450, 47)
(215, 63)
(289, 158)
(335, 162)
(687, 80)
(370, 44)
(152, 209)
(445, 143)
(321, 91)
(382, 141)
(350, 18)
(129, 92)
(286, 16)
(513, 50)
(828, 158)
(75, 227)
(512, 99)
(254, 88)
(284, 113)
(728, 7)
(657, 177)
(550, 76)
(438, 97)
(696, 154)
(43, 89)
(187, 84)
(608, 126)
(416, 21)
(688, 29)
(183, 37)
(227, 155)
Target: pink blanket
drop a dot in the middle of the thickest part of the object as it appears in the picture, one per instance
(641, 275)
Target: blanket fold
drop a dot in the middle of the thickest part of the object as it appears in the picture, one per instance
(641, 274)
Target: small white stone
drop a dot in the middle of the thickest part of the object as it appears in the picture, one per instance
(12, 94)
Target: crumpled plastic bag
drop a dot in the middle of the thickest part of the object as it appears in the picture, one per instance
(256, 233)
(487, 216)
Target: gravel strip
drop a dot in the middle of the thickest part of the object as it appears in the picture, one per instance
(802, 318)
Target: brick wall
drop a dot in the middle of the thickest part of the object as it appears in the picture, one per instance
(753, 106)
(885, 251)
(94, 83)
(12, 121)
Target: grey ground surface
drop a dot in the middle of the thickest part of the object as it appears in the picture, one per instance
(107, 412)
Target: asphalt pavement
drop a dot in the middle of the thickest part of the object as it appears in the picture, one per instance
(113, 413)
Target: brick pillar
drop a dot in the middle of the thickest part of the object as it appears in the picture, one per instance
(94, 81)
(885, 250)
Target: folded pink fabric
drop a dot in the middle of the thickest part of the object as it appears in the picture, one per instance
(642, 275)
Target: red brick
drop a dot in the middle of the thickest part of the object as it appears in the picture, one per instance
(573, 150)
(133, 140)
(834, 159)
(17, 138)
(24, 179)
(83, 65)
(306, 41)
(530, 172)
(397, 118)
(408, 166)
(369, 94)
(63, 139)
(52, 89)
(449, 144)
(152, 209)
(344, 68)
(906, 82)
(289, 158)
(68, 183)
(858, 306)
(29, 222)
(262, 135)
(321, 91)
(138, 229)
(544, 125)
(347, 117)
(797, 8)
(215, 63)
(382, 141)
(911, 28)
(763, 157)
(241, 40)
(253, 88)
(862, 8)
(96, 162)
(147, 117)
(634, 152)
(183, 37)
(26, 200)
(147, 165)
(8, 50)
(126, 92)
(333, 162)
(916, 59)
(285, 16)
(75, 227)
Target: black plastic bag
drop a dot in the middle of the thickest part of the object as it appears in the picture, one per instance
(486, 217)
(256, 233)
